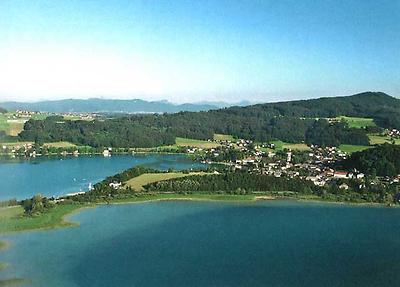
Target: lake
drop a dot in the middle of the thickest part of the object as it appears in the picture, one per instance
(276, 243)
(55, 176)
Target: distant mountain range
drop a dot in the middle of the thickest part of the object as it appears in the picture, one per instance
(97, 105)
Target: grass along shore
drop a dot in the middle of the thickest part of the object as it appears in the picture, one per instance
(12, 219)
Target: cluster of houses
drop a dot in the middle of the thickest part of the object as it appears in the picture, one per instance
(80, 116)
(394, 133)
(315, 166)
(18, 149)
(23, 114)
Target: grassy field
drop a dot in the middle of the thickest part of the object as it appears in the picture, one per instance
(353, 148)
(14, 126)
(3, 122)
(60, 144)
(11, 127)
(355, 122)
(379, 139)
(12, 219)
(138, 182)
(195, 143)
(222, 137)
(280, 145)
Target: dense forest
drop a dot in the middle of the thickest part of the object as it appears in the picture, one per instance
(295, 121)
(383, 160)
(119, 132)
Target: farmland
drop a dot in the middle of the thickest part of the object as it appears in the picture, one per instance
(280, 145)
(138, 182)
(355, 122)
(195, 143)
(353, 148)
(222, 137)
(12, 125)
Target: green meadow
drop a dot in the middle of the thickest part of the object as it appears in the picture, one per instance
(280, 145)
(222, 137)
(195, 143)
(138, 182)
(355, 122)
(347, 148)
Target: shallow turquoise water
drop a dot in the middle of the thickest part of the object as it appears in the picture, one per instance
(54, 176)
(279, 243)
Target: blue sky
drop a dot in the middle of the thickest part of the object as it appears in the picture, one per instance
(188, 51)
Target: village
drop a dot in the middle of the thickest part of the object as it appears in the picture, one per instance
(317, 164)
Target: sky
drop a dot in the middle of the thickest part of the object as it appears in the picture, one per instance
(191, 51)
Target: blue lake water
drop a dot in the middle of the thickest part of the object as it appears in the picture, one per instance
(54, 176)
(278, 243)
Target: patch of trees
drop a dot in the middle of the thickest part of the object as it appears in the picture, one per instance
(3, 110)
(232, 182)
(36, 205)
(10, 202)
(323, 133)
(383, 160)
(287, 121)
(118, 132)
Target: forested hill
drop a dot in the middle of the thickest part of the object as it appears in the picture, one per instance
(365, 104)
(383, 160)
(288, 121)
(377, 105)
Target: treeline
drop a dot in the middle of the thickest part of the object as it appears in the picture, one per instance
(288, 121)
(37, 205)
(232, 183)
(383, 160)
(322, 133)
(118, 132)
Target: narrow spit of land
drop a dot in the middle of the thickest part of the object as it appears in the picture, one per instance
(13, 218)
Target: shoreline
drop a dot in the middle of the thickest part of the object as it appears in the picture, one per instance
(65, 222)
(19, 156)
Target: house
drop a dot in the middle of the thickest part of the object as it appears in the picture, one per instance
(340, 174)
(115, 185)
